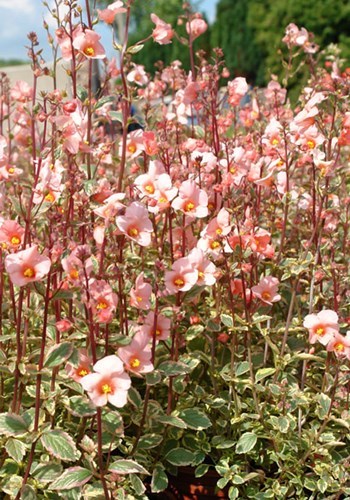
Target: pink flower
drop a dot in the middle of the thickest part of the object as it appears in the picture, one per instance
(163, 32)
(140, 295)
(322, 326)
(206, 269)
(137, 355)
(87, 43)
(182, 277)
(109, 383)
(64, 325)
(83, 368)
(27, 266)
(237, 88)
(192, 200)
(161, 328)
(135, 224)
(11, 234)
(340, 345)
(108, 15)
(103, 301)
(138, 75)
(266, 290)
(196, 27)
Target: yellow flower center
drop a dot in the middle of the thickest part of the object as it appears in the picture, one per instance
(200, 274)
(158, 332)
(10, 170)
(189, 206)
(162, 200)
(320, 331)
(135, 362)
(179, 282)
(102, 305)
(339, 347)
(139, 299)
(219, 231)
(89, 51)
(214, 244)
(50, 197)
(133, 231)
(149, 188)
(275, 141)
(82, 372)
(15, 240)
(106, 389)
(29, 272)
(132, 148)
(311, 144)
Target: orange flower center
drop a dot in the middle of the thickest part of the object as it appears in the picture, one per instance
(339, 347)
(189, 206)
(132, 148)
(219, 231)
(311, 144)
(11, 170)
(275, 141)
(179, 282)
(74, 274)
(133, 231)
(214, 244)
(29, 272)
(135, 362)
(162, 199)
(158, 332)
(89, 51)
(266, 295)
(15, 240)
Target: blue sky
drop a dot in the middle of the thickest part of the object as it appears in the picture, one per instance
(19, 17)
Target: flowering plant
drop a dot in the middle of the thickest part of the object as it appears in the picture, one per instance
(158, 284)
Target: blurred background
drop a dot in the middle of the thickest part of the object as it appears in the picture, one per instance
(248, 31)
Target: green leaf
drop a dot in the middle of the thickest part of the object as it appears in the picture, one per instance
(16, 449)
(159, 479)
(134, 49)
(59, 444)
(134, 397)
(201, 470)
(81, 406)
(324, 405)
(12, 424)
(82, 93)
(74, 477)
(241, 368)
(173, 368)
(180, 457)
(127, 467)
(263, 373)
(58, 354)
(195, 419)
(153, 378)
(137, 484)
(11, 485)
(45, 473)
(28, 493)
(246, 442)
(233, 493)
(173, 421)
(227, 320)
(149, 441)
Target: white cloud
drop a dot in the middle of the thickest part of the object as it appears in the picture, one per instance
(23, 6)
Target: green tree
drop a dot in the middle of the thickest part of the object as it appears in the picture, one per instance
(232, 33)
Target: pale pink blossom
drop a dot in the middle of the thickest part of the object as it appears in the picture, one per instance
(237, 88)
(107, 15)
(11, 234)
(140, 295)
(138, 75)
(160, 329)
(103, 301)
(206, 269)
(27, 266)
(196, 27)
(322, 326)
(182, 277)
(192, 200)
(138, 354)
(266, 290)
(135, 224)
(84, 366)
(87, 43)
(340, 345)
(109, 383)
(22, 91)
(163, 32)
